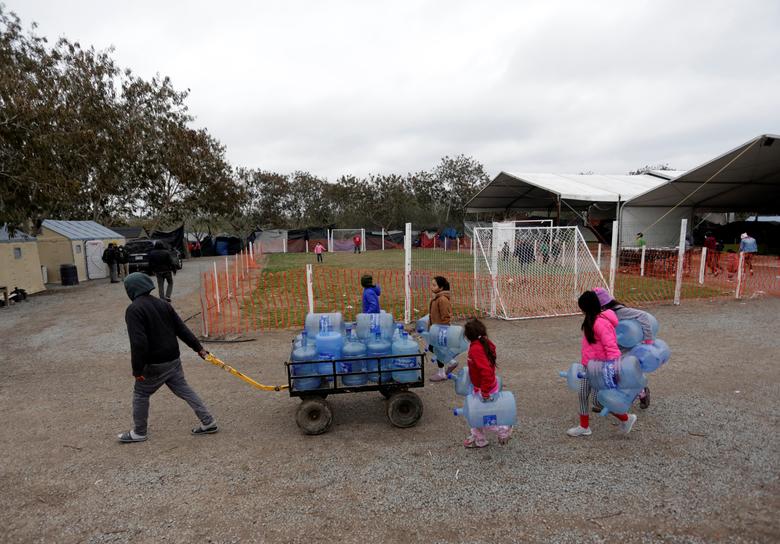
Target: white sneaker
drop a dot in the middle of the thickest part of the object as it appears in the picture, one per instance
(625, 426)
(579, 431)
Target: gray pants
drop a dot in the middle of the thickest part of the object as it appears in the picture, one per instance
(161, 278)
(112, 271)
(173, 377)
(123, 272)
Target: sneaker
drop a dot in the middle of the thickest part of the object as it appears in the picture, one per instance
(625, 426)
(206, 429)
(438, 377)
(472, 442)
(579, 431)
(504, 439)
(644, 399)
(129, 436)
(596, 407)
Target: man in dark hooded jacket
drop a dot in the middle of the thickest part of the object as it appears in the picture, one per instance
(154, 328)
(161, 263)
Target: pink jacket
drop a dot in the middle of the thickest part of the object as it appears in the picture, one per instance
(606, 346)
(318, 248)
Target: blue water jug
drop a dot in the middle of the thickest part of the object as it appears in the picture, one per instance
(378, 346)
(405, 346)
(398, 331)
(574, 376)
(315, 323)
(500, 411)
(629, 333)
(623, 373)
(630, 375)
(663, 347)
(366, 323)
(463, 385)
(301, 355)
(329, 345)
(653, 323)
(448, 341)
(352, 348)
(617, 401)
(649, 356)
(422, 324)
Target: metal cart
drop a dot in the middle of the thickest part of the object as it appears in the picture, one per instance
(315, 416)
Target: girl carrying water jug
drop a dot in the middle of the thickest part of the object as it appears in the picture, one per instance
(599, 343)
(482, 372)
(440, 312)
(624, 312)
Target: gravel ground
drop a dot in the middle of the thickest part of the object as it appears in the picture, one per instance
(701, 465)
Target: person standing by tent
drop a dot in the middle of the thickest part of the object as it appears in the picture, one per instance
(154, 327)
(110, 257)
(162, 265)
(712, 253)
(356, 242)
(748, 246)
(123, 260)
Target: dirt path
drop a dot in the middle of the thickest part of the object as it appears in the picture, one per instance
(701, 466)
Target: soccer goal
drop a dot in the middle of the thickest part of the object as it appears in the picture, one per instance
(531, 271)
(342, 239)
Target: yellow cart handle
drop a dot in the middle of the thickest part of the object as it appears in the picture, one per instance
(216, 362)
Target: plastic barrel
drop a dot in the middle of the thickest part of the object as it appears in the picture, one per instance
(69, 275)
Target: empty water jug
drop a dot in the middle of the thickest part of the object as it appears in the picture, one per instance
(574, 376)
(617, 401)
(502, 410)
(378, 346)
(663, 347)
(329, 345)
(463, 385)
(366, 323)
(301, 355)
(315, 322)
(447, 341)
(630, 375)
(629, 333)
(352, 348)
(405, 346)
(649, 356)
(422, 324)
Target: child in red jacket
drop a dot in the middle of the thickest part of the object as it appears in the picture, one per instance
(482, 372)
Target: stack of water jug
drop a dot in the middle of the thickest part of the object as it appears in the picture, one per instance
(617, 383)
(447, 342)
(340, 349)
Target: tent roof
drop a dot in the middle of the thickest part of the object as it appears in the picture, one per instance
(80, 230)
(746, 178)
(538, 191)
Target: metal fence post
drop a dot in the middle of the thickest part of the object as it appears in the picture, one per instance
(613, 258)
(738, 292)
(216, 286)
(680, 261)
(576, 261)
(408, 274)
(310, 288)
(598, 257)
(203, 306)
(227, 277)
(642, 262)
(702, 265)
(363, 240)
(383, 238)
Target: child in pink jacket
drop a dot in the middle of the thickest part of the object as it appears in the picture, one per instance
(599, 342)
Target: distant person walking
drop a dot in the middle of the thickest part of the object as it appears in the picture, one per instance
(356, 242)
(712, 253)
(318, 249)
(748, 246)
(110, 257)
(371, 294)
(162, 265)
(640, 239)
(153, 327)
(123, 260)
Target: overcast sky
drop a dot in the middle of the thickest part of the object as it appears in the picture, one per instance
(353, 87)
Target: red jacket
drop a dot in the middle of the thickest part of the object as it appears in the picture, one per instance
(481, 372)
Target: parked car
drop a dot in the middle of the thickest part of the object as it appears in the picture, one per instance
(139, 250)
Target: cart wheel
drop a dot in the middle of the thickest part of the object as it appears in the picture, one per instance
(314, 416)
(404, 409)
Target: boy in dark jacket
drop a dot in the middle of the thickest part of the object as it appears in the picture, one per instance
(371, 295)
(154, 328)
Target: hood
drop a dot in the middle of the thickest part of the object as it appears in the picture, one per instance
(443, 294)
(137, 284)
(376, 289)
(604, 296)
(610, 316)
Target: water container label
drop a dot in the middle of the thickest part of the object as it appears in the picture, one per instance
(442, 337)
(324, 323)
(609, 372)
(406, 363)
(490, 420)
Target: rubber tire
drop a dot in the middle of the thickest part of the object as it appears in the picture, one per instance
(314, 416)
(404, 409)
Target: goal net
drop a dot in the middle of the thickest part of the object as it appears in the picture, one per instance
(536, 271)
(342, 239)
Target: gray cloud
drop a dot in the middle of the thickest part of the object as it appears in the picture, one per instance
(355, 87)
